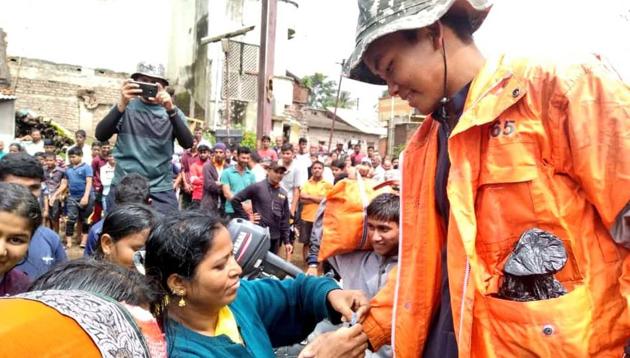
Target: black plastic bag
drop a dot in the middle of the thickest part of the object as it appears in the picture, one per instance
(529, 269)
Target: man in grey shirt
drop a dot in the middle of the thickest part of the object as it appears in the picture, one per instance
(368, 271)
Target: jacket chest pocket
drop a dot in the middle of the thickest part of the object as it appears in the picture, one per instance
(504, 204)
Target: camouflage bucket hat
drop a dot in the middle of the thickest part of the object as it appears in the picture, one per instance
(378, 18)
(155, 70)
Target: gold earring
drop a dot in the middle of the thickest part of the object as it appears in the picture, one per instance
(182, 302)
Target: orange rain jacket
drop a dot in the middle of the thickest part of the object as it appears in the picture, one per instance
(538, 145)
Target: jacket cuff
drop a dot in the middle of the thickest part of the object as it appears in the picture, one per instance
(375, 333)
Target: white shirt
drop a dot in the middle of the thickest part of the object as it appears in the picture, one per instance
(31, 147)
(107, 175)
(328, 175)
(379, 174)
(292, 179)
(260, 173)
(392, 174)
(303, 160)
(87, 154)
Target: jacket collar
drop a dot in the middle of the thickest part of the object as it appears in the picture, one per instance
(493, 90)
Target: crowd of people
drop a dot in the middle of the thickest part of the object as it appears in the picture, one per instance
(504, 230)
(146, 206)
(39, 196)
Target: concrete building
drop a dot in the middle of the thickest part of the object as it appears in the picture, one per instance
(350, 127)
(198, 72)
(399, 118)
(7, 99)
(75, 97)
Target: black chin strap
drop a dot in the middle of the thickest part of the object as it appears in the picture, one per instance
(444, 101)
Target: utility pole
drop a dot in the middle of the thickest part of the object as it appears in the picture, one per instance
(225, 45)
(332, 129)
(265, 66)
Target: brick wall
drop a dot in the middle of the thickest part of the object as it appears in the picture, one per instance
(402, 132)
(300, 93)
(76, 97)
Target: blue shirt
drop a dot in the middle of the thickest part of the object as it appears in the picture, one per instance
(93, 236)
(44, 252)
(77, 177)
(269, 313)
(237, 182)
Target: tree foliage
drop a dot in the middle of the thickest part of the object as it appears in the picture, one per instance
(397, 150)
(249, 140)
(324, 92)
(345, 101)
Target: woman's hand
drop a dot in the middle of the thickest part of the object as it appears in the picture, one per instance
(345, 342)
(349, 302)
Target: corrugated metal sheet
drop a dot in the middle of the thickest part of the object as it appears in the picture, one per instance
(362, 122)
(5, 97)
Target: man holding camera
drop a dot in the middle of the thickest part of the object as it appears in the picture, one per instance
(146, 123)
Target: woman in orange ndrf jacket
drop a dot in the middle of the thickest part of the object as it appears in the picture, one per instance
(509, 144)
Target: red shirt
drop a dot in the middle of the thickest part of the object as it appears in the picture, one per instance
(187, 159)
(268, 155)
(356, 158)
(196, 178)
(97, 163)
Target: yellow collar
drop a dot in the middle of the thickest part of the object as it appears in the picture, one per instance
(226, 324)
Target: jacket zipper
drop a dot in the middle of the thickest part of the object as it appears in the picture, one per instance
(467, 269)
(463, 304)
(400, 225)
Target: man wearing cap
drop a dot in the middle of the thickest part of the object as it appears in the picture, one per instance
(508, 145)
(270, 206)
(146, 129)
(213, 198)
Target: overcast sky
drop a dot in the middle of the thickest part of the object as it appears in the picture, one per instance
(116, 34)
(326, 32)
(110, 34)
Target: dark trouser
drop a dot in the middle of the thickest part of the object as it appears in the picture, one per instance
(55, 210)
(76, 213)
(98, 208)
(186, 199)
(306, 228)
(194, 205)
(275, 246)
(164, 202)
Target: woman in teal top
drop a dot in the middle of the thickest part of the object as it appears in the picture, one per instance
(208, 312)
